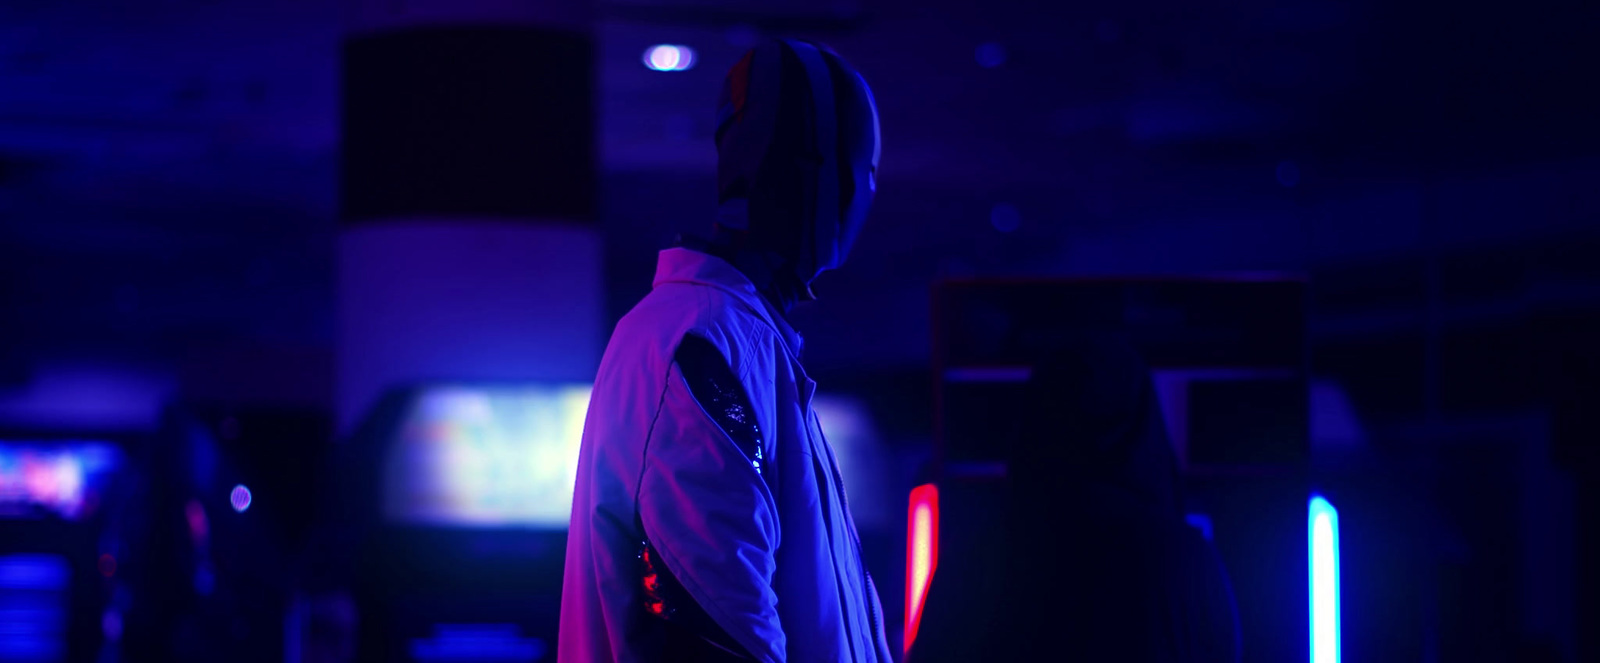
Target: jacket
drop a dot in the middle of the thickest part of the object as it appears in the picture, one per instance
(767, 549)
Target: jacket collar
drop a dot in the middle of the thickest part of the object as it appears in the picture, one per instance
(681, 265)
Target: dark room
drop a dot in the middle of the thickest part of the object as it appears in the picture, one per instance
(807, 331)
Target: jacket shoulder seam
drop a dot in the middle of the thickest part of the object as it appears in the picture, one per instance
(661, 405)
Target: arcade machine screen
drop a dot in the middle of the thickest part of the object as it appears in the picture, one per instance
(487, 457)
(54, 578)
(508, 457)
(62, 480)
(475, 493)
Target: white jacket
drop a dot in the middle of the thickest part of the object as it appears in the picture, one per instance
(773, 557)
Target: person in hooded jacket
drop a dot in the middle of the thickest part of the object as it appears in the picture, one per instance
(709, 520)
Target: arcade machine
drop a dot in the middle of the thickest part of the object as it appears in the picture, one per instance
(1228, 364)
(64, 512)
(461, 495)
(232, 494)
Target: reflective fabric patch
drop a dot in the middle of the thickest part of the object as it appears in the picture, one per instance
(721, 395)
(697, 636)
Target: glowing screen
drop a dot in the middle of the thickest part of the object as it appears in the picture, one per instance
(1324, 558)
(47, 478)
(503, 456)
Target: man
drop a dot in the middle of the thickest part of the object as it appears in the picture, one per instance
(709, 520)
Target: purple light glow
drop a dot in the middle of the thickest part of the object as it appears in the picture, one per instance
(410, 291)
(111, 625)
(199, 525)
(240, 498)
(87, 397)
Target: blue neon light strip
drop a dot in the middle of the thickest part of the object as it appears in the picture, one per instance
(479, 643)
(1200, 522)
(1323, 534)
(34, 599)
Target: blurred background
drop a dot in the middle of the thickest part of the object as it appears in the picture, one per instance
(299, 300)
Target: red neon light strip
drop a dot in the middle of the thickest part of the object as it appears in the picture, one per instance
(922, 554)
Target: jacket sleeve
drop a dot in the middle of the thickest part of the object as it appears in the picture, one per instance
(704, 504)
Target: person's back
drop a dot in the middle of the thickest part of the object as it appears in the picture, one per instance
(709, 520)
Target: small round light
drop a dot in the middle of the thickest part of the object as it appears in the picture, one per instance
(240, 498)
(669, 57)
(108, 565)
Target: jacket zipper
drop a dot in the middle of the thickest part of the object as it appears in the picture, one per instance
(867, 588)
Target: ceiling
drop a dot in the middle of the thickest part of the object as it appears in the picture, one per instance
(167, 167)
